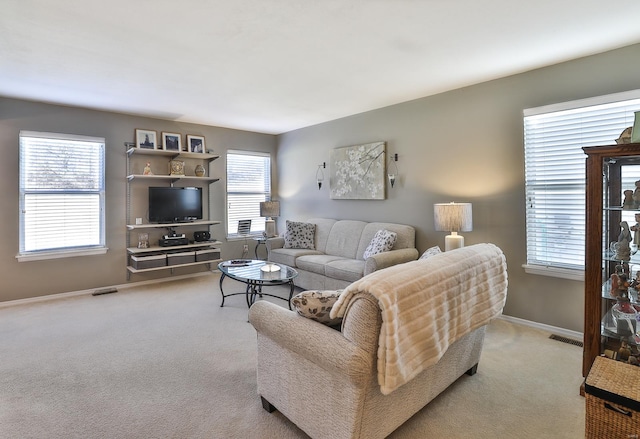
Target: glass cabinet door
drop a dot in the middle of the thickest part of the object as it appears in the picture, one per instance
(620, 310)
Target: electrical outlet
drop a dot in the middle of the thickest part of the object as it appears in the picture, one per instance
(245, 247)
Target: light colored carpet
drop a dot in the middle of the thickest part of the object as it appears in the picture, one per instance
(165, 361)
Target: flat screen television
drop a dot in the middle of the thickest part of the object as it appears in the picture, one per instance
(175, 204)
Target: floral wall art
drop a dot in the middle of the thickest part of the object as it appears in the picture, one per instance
(357, 172)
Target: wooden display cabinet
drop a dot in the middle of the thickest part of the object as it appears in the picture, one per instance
(610, 170)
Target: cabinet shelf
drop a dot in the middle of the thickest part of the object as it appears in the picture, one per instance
(165, 225)
(173, 154)
(157, 248)
(170, 177)
(170, 267)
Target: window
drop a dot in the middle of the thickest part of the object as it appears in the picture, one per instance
(555, 176)
(248, 184)
(61, 195)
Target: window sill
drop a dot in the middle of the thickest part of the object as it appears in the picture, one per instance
(232, 238)
(563, 273)
(40, 256)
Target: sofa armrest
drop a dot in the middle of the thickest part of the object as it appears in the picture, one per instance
(324, 346)
(387, 259)
(273, 243)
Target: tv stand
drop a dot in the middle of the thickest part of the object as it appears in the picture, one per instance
(142, 260)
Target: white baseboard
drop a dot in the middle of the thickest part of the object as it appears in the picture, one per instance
(579, 336)
(93, 290)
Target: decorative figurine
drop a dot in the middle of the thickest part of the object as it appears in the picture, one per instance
(619, 285)
(628, 202)
(625, 136)
(636, 195)
(623, 249)
(620, 281)
(624, 352)
(635, 283)
(147, 169)
(636, 230)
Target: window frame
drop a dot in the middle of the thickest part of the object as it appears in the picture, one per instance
(252, 207)
(98, 246)
(586, 133)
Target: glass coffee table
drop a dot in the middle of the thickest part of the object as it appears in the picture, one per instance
(257, 274)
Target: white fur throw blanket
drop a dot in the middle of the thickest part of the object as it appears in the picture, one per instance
(428, 304)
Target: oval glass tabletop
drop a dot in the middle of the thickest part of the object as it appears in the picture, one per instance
(255, 270)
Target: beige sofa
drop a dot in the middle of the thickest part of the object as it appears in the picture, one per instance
(327, 382)
(336, 261)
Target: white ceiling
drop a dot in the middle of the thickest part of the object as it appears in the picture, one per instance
(273, 66)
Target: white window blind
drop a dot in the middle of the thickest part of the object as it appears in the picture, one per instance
(61, 194)
(248, 184)
(555, 174)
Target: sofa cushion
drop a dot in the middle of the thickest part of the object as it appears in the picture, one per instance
(315, 263)
(323, 229)
(316, 305)
(289, 256)
(344, 238)
(382, 241)
(405, 239)
(430, 252)
(300, 235)
(349, 270)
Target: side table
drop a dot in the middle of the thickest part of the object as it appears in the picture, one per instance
(260, 241)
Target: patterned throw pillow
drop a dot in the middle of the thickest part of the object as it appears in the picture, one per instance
(430, 252)
(316, 305)
(300, 235)
(382, 241)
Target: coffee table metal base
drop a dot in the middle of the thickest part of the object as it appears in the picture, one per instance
(254, 288)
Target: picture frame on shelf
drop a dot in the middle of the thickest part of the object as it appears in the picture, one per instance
(195, 144)
(171, 142)
(146, 139)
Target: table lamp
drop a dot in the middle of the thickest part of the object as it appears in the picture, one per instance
(454, 218)
(270, 209)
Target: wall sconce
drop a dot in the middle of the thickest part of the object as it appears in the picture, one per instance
(392, 173)
(454, 218)
(320, 174)
(270, 209)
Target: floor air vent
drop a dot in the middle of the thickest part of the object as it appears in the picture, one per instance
(102, 291)
(566, 340)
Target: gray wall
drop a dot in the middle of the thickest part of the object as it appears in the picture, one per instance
(37, 278)
(464, 145)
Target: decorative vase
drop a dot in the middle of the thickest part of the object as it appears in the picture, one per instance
(200, 171)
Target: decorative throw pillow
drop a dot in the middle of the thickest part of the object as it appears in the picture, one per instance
(382, 241)
(316, 305)
(430, 252)
(300, 235)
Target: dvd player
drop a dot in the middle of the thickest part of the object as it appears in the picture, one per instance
(171, 241)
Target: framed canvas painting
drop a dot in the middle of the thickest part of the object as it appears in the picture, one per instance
(357, 172)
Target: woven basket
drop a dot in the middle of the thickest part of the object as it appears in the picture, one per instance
(612, 391)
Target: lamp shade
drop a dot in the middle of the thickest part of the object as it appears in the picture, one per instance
(270, 209)
(453, 217)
